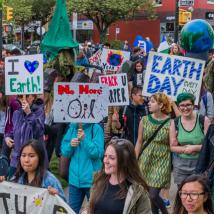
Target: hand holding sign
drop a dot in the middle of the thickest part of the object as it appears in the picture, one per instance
(75, 142)
(26, 107)
(81, 134)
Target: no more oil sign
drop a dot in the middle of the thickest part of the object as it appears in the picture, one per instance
(80, 102)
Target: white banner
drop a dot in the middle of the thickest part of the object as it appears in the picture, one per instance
(22, 199)
(173, 75)
(112, 60)
(80, 102)
(24, 74)
(118, 88)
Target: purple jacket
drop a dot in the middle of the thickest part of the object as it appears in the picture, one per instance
(13, 106)
(26, 127)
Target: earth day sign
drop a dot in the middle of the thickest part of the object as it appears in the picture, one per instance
(173, 75)
(24, 74)
(22, 199)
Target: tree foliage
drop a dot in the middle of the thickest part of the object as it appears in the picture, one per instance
(42, 9)
(22, 11)
(105, 12)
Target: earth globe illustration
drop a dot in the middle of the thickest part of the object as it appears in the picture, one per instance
(197, 36)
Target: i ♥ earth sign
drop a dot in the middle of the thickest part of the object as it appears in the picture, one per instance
(24, 74)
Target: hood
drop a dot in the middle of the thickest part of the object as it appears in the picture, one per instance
(38, 103)
(138, 107)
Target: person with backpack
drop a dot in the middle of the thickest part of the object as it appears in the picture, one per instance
(186, 137)
(84, 145)
(206, 158)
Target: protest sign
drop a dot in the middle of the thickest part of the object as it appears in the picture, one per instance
(118, 88)
(173, 75)
(112, 60)
(95, 59)
(22, 199)
(80, 102)
(24, 74)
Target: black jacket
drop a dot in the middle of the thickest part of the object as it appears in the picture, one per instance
(207, 151)
(132, 117)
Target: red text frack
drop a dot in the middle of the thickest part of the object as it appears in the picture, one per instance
(109, 80)
(84, 89)
(64, 89)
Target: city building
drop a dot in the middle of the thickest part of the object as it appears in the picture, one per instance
(163, 25)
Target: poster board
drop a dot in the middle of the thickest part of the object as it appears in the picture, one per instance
(118, 88)
(173, 75)
(18, 198)
(24, 74)
(112, 60)
(80, 102)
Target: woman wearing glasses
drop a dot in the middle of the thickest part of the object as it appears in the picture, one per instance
(119, 188)
(186, 137)
(193, 197)
(155, 161)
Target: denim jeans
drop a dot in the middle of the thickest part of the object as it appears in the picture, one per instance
(76, 197)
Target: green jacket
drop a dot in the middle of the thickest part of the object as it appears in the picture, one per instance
(137, 201)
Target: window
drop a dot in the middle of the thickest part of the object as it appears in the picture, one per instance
(157, 2)
(210, 1)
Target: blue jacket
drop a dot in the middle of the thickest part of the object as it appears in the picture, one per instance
(85, 158)
(48, 180)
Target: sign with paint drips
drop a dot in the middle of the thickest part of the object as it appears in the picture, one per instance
(24, 74)
(173, 75)
(112, 60)
(80, 102)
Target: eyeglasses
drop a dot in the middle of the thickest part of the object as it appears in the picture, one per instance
(119, 141)
(192, 195)
(183, 106)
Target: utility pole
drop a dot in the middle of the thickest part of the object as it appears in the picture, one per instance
(176, 21)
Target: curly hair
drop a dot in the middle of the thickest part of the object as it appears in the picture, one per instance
(162, 98)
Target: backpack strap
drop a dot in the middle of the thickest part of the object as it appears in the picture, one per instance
(176, 120)
(204, 100)
(201, 122)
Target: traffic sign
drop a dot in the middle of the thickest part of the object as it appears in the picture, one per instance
(186, 3)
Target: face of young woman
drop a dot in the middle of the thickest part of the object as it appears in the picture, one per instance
(110, 161)
(175, 49)
(186, 107)
(29, 159)
(154, 106)
(139, 67)
(193, 197)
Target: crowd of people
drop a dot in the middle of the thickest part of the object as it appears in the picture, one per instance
(124, 163)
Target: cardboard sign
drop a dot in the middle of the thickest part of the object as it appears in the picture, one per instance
(80, 102)
(118, 88)
(95, 59)
(17, 198)
(112, 60)
(173, 75)
(24, 74)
